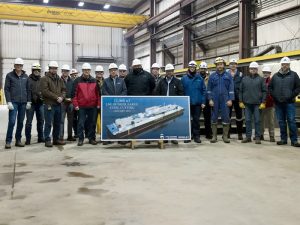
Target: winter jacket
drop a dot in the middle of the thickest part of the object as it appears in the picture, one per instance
(269, 99)
(52, 87)
(69, 87)
(35, 87)
(16, 88)
(253, 90)
(108, 87)
(285, 87)
(140, 84)
(175, 87)
(194, 87)
(220, 87)
(237, 79)
(86, 93)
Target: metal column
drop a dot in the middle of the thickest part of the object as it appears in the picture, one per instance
(186, 12)
(152, 31)
(245, 28)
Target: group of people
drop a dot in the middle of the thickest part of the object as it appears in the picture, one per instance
(52, 98)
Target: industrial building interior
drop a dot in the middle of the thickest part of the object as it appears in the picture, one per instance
(186, 184)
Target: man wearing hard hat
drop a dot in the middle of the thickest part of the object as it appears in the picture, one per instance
(267, 114)
(73, 74)
(18, 97)
(86, 100)
(54, 92)
(155, 72)
(220, 93)
(194, 86)
(99, 72)
(122, 71)
(67, 106)
(37, 106)
(252, 97)
(114, 85)
(284, 87)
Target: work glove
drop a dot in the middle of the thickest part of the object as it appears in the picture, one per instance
(28, 105)
(241, 105)
(262, 106)
(202, 106)
(211, 103)
(10, 106)
(59, 99)
(229, 103)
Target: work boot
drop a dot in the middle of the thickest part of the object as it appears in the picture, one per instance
(107, 142)
(7, 146)
(19, 144)
(27, 142)
(48, 144)
(59, 142)
(186, 141)
(208, 136)
(93, 142)
(262, 137)
(240, 137)
(225, 133)
(197, 140)
(71, 139)
(42, 140)
(272, 139)
(80, 143)
(281, 142)
(214, 128)
(257, 141)
(296, 144)
(174, 142)
(246, 140)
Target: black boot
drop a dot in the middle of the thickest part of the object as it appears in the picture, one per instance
(19, 144)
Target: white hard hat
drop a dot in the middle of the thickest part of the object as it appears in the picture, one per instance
(136, 62)
(53, 64)
(169, 67)
(86, 66)
(233, 61)
(36, 66)
(266, 69)
(113, 66)
(46, 69)
(254, 65)
(65, 67)
(73, 71)
(192, 63)
(122, 67)
(99, 69)
(203, 65)
(285, 60)
(19, 61)
(155, 65)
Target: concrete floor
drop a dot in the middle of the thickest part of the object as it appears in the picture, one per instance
(207, 184)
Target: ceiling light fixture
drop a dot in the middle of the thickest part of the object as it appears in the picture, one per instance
(80, 4)
(46, 1)
(106, 6)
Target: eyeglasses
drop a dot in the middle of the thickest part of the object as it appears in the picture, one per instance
(122, 71)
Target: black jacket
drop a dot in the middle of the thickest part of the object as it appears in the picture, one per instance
(253, 90)
(237, 79)
(35, 87)
(69, 86)
(284, 88)
(140, 84)
(17, 88)
(109, 89)
(175, 87)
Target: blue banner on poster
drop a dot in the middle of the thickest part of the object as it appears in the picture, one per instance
(145, 118)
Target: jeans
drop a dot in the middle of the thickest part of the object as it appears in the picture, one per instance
(195, 116)
(87, 116)
(285, 113)
(17, 113)
(67, 108)
(250, 111)
(52, 117)
(38, 109)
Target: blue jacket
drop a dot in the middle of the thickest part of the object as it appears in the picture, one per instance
(17, 88)
(220, 87)
(194, 87)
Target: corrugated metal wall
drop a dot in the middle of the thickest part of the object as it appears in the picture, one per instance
(43, 42)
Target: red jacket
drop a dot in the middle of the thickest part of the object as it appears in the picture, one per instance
(269, 99)
(86, 93)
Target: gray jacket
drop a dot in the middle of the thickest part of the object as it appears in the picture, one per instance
(108, 87)
(253, 90)
(17, 88)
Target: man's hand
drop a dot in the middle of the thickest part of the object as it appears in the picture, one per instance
(10, 106)
(241, 105)
(211, 103)
(60, 99)
(229, 103)
(28, 105)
